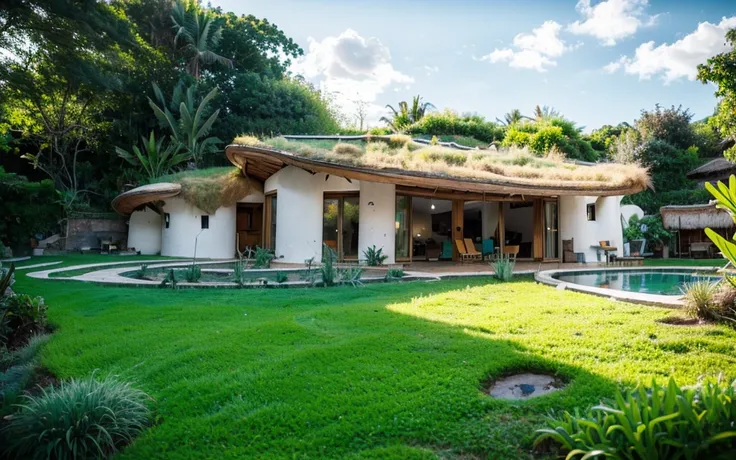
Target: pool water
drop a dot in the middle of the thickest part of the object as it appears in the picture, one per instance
(664, 282)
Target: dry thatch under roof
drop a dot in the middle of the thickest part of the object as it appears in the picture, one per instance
(399, 160)
(207, 189)
(695, 217)
(720, 167)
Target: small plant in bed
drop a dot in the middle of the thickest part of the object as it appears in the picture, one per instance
(650, 423)
(394, 274)
(83, 418)
(193, 273)
(281, 277)
(262, 258)
(374, 257)
(141, 273)
(504, 268)
(170, 279)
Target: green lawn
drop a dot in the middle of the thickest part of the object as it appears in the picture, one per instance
(382, 371)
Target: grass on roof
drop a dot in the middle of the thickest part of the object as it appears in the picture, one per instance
(479, 164)
(382, 371)
(211, 188)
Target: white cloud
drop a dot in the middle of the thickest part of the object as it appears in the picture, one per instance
(679, 59)
(537, 50)
(611, 20)
(431, 69)
(351, 66)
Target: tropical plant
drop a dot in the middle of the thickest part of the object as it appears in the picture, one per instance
(170, 279)
(350, 275)
(157, 158)
(650, 423)
(262, 257)
(239, 272)
(726, 200)
(141, 273)
(197, 27)
(503, 267)
(281, 277)
(513, 118)
(328, 270)
(83, 418)
(21, 316)
(193, 273)
(192, 124)
(407, 115)
(699, 298)
(374, 257)
(545, 113)
(650, 228)
(394, 274)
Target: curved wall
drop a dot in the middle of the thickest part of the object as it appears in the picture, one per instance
(144, 231)
(216, 242)
(574, 223)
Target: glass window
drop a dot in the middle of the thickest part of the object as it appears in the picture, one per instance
(272, 208)
(551, 240)
(402, 226)
(330, 216)
(350, 226)
(205, 222)
(340, 225)
(167, 219)
(591, 211)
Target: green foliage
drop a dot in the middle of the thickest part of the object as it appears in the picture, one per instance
(707, 139)
(374, 257)
(651, 201)
(239, 272)
(503, 268)
(157, 158)
(193, 273)
(21, 316)
(720, 70)
(351, 276)
(651, 423)
(449, 123)
(328, 270)
(516, 137)
(394, 274)
(82, 418)
(407, 115)
(141, 273)
(170, 279)
(654, 233)
(699, 297)
(543, 140)
(6, 279)
(671, 126)
(28, 352)
(198, 28)
(281, 277)
(262, 257)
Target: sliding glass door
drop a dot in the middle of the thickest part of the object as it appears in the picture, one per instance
(340, 224)
(403, 238)
(551, 234)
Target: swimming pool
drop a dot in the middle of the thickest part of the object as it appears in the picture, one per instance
(659, 281)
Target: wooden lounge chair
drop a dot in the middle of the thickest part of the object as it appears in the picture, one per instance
(511, 251)
(464, 255)
(470, 247)
(604, 247)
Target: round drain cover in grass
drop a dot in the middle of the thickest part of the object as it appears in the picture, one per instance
(523, 386)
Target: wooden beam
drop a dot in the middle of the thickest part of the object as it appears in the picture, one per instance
(538, 223)
(458, 208)
(454, 195)
(501, 228)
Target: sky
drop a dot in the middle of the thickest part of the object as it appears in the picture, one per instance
(596, 62)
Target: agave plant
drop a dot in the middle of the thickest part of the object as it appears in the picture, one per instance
(196, 27)
(157, 158)
(192, 124)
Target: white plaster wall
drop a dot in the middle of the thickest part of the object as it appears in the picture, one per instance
(216, 242)
(299, 211)
(377, 221)
(607, 226)
(144, 231)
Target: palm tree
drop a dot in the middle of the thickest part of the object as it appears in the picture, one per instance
(156, 158)
(545, 113)
(196, 27)
(191, 127)
(406, 115)
(512, 118)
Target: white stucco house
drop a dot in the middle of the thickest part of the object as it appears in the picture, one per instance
(301, 201)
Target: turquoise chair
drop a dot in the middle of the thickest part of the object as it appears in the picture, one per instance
(446, 250)
(488, 248)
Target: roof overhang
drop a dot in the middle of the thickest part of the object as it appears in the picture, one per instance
(261, 162)
(127, 202)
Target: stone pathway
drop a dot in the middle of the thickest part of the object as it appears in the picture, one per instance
(46, 264)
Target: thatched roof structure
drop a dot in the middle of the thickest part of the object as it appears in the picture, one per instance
(714, 169)
(400, 160)
(207, 189)
(695, 217)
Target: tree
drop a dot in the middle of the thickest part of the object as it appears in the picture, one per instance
(157, 158)
(721, 70)
(512, 118)
(407, 115)
(191, 127)
(669, 125)
(545, 113)
(197, 27)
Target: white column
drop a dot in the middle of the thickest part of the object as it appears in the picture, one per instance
(377, 218)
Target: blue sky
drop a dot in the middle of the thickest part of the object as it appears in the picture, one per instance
(597, 62)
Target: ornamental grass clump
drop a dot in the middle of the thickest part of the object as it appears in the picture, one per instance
(699, 300)
(83, 418)
(649, 424)
(504, 268)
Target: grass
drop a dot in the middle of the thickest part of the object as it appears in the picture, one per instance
(211, 188)
(383, 371)
(402, 153)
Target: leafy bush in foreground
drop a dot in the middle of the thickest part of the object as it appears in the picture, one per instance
(374, 257)
(79, 419)
(504, 268)
(655, 423)
(21, 316)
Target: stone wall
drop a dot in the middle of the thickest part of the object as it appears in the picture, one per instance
(87, 231)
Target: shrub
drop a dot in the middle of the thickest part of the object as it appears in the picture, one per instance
(394, 274)
(80, 419)
(351, 276)
(328, 271)
(262, 258)
(170, 279)
(141, 273)
(516, 138)
(374, 257)
(238, 272)
(661, 422)
(543, 140)
(699, 300)
(504, 268)
(281, 277)
(21, 316)
(193, 273)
